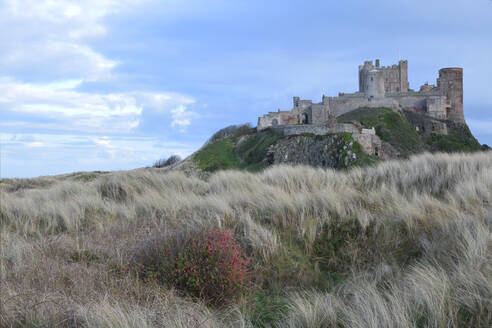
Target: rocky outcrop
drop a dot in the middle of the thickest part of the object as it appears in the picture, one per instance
(335, 151)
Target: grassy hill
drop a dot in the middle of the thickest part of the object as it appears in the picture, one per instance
(395, 129)
(249, 150)
(398, 244)
(390, 127)
(240, 147)
(229, 153)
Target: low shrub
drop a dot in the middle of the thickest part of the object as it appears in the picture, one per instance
(208, 264)
(163, 162)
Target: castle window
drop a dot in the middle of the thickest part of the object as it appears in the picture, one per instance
(305, 119)
(372, 79)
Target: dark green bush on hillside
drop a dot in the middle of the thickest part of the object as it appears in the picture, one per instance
(163, 162)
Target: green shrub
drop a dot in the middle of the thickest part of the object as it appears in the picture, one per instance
(253, 151)
(267, 309)
(163, 162)
(208, 264)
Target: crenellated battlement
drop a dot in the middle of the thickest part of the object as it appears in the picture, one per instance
(380, 86)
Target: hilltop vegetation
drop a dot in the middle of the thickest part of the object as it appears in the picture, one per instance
(396, 130)
(252, 151)
(399, 244)
(391, 127)
(241, 147)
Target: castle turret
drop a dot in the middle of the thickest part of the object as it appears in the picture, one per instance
(296, 101)
(450, 83)
(363, 70)
(403, 75)
(374, 84)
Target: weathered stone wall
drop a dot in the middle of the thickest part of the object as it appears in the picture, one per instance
(381, 87)
(319, 113)
(427, 124)
(403, 68)
(436, 106)
(395, 77)
(450, 83)
(370, 143)
(413, 102)
(317, 129)
(374, 86)
(277, 118)
(344, 104)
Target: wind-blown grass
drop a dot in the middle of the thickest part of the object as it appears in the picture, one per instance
(404, 243)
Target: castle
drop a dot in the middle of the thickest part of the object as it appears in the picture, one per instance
(380, 86)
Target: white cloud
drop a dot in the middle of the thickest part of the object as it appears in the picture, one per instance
(181, 117)
(103, 141)
(162, 101)
(69, 109)
(50, 38)
(72, 11)
(35, 144)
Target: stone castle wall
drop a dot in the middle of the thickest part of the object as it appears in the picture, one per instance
(317, 129)
(371, 144)
(380, 87)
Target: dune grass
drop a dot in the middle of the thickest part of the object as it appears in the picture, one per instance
(400, 244)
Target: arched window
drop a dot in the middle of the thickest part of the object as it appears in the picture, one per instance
(274, 122)
(305, 118)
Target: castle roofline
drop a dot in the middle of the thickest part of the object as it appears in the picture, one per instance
(452, 68)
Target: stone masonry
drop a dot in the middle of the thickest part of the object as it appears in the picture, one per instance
(380, 86)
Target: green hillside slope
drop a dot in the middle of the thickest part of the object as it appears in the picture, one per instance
(241, 147)
(390, 127)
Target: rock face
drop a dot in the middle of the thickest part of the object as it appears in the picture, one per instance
(335, 151)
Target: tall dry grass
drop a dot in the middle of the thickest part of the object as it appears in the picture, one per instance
(413, 243)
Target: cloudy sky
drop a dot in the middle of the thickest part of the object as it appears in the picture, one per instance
(116, 84)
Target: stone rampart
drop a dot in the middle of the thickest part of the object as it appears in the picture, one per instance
(380, 86)
(317, 129)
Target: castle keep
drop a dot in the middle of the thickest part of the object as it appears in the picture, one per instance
(379, 86)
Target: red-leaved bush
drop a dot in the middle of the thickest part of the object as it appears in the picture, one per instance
(207, 263)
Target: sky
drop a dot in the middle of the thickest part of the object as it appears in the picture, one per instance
(117, 84)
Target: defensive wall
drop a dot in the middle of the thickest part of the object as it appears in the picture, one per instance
(371, 144)
(380, 86)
